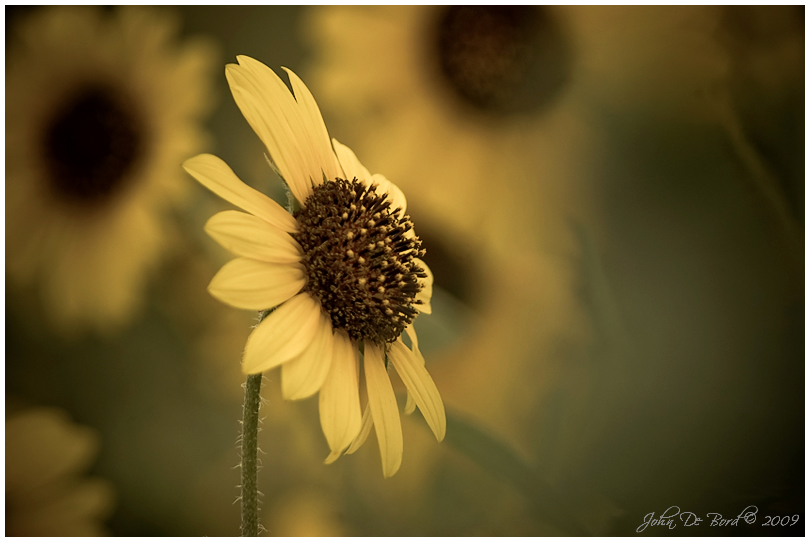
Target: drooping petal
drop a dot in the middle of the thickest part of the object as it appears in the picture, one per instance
(246, 283)
(304, 375)
(410, 404)
(349, 163)
(395, 195)
(282, 335)
(420, 386)
(365, 429)
(213, 173)
(315, 127)
(252, 237)
(339, 400)
(426, 293)
(384, 410)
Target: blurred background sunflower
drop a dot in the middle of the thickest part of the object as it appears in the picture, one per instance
(100, 108)
(611, 200)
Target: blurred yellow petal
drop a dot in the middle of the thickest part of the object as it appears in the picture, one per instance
(304, 375)
(339, 400)
(215, 175)
(384, 410)
(420, 386)
(246, 283)
(252, 237)
(46, 492)
(303, 511)
(282, 335)
(35, 462)
(76, 511)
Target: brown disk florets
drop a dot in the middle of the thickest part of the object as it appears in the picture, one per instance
(92, 144)
(359, 259)
(502, 59)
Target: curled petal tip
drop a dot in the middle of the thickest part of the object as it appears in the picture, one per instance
(331, 458)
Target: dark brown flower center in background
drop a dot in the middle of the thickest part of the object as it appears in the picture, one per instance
(502, 59)
(359, 262)
(91, 145)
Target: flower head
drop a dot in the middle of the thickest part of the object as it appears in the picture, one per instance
(342, 274)
(100, 108)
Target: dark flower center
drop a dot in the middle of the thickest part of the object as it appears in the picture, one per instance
(91, 145)
(502, 59)
(359, 262)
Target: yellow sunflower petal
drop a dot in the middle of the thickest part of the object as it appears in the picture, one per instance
(420, 386)
(315, 127)
(426, 293)
(411, 332)
(349, 163)
(305, 374)
(410, 404)
(384, 410)
(332, 457)
(277, 119)
(246, 283)
(365, 429)
(271, 126)
(339, 400)
(283, 335)
(252, 237)
(213, 173)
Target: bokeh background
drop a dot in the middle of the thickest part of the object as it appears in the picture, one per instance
(617, 237)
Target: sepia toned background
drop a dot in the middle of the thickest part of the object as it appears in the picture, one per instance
(618, 248)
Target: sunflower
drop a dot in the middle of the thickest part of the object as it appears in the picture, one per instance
(100, 109)
(503, 154)
(507, 109)
(45, 453)
(342, 274)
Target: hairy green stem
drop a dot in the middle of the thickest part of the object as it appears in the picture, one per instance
(250, 438)
(250, 447)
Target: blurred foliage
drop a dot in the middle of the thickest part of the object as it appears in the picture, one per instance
(679, 380)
